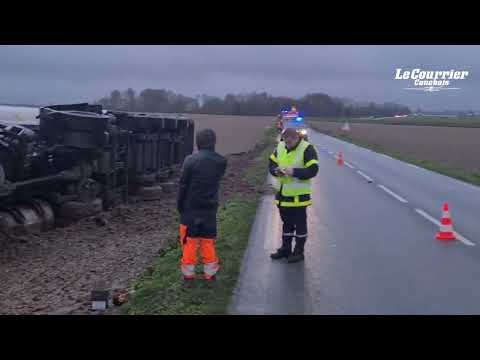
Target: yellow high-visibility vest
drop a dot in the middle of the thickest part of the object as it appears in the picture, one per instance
(290, 186)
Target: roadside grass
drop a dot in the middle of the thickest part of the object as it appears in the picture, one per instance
(467, 122)
(160, 292)
(469, 176)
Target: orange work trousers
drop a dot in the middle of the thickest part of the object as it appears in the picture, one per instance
(189, 255)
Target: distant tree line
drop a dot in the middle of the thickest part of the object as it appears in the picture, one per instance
(314, 104)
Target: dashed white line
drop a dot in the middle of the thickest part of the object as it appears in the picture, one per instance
(398, 197)
(428, 217)
(436, 222)
(463, 239)
(369, 179)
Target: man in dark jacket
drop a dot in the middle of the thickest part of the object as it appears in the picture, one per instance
(197, 203)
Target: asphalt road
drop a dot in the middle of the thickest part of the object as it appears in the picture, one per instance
(371, 246)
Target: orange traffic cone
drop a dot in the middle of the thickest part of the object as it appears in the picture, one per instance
(446, 226)
(340, 159)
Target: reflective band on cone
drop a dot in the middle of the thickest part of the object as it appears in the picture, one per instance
(446, 221)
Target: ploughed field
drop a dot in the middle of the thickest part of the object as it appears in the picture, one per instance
(235, 134)
(456, 147)
(425, 120)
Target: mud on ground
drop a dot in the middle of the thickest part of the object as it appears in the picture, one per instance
(54, 272)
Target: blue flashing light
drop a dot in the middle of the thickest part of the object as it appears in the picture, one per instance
(299, 118)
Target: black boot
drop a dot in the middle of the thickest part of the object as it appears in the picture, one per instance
(285, 250)
(295, 257)
(297, 254)
(280, 254)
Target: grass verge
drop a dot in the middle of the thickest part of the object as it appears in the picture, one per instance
(160, 291)
(469, 176)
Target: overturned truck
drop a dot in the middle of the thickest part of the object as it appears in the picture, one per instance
(80, 159)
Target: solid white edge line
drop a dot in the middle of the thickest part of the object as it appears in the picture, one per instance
(398, 197)
(436, 222)
(349, 165)
(365, 176)
(414, 166)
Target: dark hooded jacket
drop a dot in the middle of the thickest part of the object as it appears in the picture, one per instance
(197, 200)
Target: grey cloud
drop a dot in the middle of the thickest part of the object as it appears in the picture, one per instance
(44, 74)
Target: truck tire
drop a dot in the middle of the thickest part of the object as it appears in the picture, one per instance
(75, 210)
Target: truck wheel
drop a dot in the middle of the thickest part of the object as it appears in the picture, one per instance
(76, 210)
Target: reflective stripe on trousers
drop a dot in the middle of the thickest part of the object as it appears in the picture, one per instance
(188, 270)
(210, 269)
(189, 255)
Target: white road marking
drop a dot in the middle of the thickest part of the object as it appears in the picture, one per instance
(414, 166)
(330, 152)
(369, 179)
(428, 217)
(349, 165)
(463, 239)
(436, 222)
(399, 198)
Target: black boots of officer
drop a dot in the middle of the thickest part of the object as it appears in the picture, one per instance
(286, 250)
(297, 254)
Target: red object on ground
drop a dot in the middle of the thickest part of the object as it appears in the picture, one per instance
(446, 225)
(340, 159)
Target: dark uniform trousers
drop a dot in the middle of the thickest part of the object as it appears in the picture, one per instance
(294, 227)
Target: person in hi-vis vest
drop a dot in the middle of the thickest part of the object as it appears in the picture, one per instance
(293, 164)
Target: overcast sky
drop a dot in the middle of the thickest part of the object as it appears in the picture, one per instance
(44, 74)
